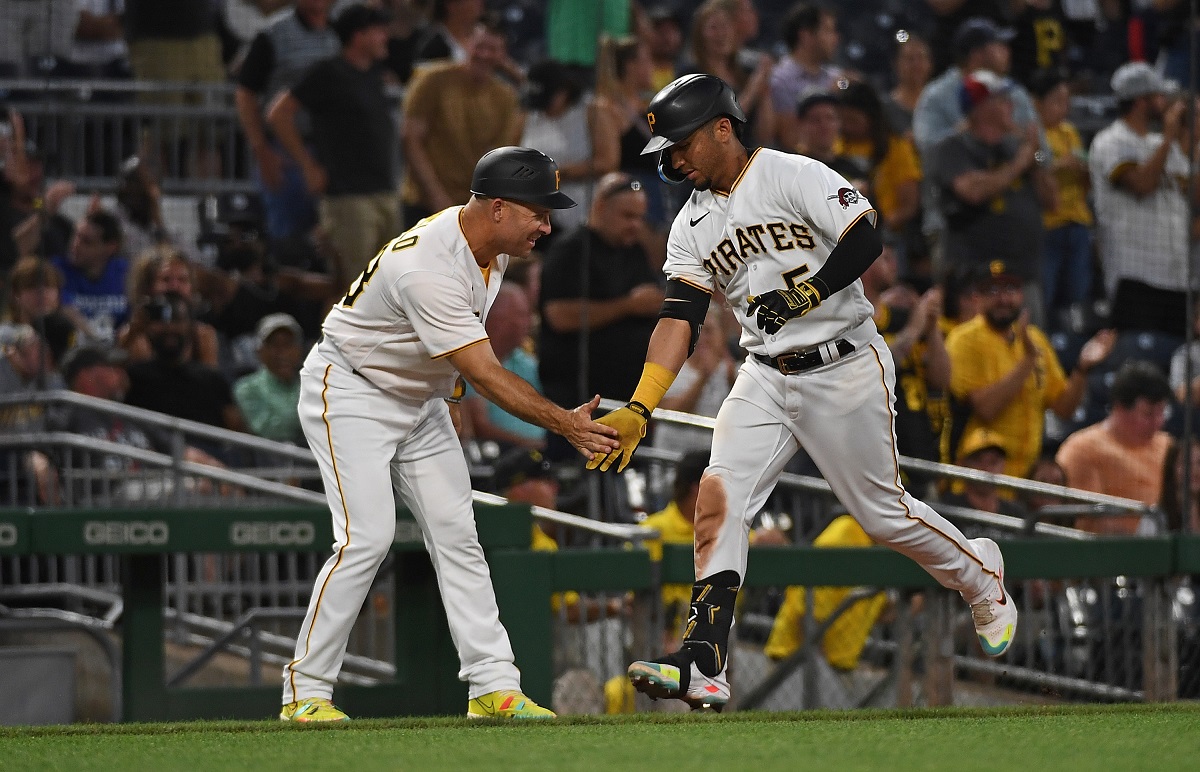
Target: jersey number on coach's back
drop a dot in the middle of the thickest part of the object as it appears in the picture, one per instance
(364, 278)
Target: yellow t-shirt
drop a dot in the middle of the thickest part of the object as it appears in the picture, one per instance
(980, 356)
(898, 166)
(1064, 141)
(844, 639)
(675, 529)
(542, 542)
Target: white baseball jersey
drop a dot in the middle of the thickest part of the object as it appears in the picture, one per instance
(782, 218)
(420, 299)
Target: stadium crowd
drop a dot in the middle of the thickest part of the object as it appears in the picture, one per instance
(1033, 286)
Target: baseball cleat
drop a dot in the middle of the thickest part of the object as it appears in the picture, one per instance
(312, 709)
(659, 680)
(995, 618)
(506, 703)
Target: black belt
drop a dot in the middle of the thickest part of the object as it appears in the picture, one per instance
(798, 361)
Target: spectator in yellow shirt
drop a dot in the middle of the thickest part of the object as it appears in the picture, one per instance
(1004, 374)
(1067, 250)
(845, 637)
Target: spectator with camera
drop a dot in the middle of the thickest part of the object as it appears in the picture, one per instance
(158, 271)
(169, 383)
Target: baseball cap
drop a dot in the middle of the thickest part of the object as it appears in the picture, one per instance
(979, 440)
(81, 358)
(813, 97)
(272, 323)
(520, 174)
(978, 32)
(358, 17)
(1135, 79)
(520, 465)
(998, 271)
(980, 86)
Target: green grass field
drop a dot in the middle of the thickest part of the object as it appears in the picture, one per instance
(1125, 737)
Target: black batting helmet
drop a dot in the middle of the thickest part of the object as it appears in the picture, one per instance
(520, 174)
(684, 105)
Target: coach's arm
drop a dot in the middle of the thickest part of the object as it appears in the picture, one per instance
(478, 364)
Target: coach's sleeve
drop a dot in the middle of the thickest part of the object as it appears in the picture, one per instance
(439, 309)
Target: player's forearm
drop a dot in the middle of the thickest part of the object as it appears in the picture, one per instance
(669, 344)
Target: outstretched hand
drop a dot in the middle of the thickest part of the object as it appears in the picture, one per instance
(593, 439)
(629, 423)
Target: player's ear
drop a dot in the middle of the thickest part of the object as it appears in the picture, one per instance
(497, 209)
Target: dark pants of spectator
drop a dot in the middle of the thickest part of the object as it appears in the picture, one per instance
(1066, 267)
(291, 209)
(1138, 306)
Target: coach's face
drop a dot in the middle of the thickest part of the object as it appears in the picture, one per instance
(520, 225)
(699, 156)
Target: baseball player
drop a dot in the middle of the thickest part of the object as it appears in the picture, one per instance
(784, 239)
(373, 405)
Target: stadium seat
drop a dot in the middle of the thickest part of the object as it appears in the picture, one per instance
(1154, 347)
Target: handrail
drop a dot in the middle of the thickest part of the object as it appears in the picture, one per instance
(930, 467)
(634, 533)
(217, 434)
(220, 474)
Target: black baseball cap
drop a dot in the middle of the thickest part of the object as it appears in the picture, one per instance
(57, 331)
(520, 465)
(978, 32)
(358, 17)
(999, 271)
(520, 174)
(81, 358)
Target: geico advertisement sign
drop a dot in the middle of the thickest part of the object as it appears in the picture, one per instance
(8, 535)
(271, 534)
(115, 533)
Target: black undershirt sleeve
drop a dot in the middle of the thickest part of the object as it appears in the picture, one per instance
(849, 259)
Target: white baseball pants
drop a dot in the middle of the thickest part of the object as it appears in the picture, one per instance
(842, 415)
(369, 444)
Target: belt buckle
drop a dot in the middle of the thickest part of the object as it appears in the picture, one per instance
(789, 364)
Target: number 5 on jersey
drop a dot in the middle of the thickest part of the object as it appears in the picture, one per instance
(358, 285)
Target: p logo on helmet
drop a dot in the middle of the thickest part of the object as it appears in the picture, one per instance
(650, 120)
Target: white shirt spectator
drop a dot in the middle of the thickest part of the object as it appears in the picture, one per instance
(1144, 238)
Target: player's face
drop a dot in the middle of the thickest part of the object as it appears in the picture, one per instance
(698, 156)
(522, 225)
(1002, 303)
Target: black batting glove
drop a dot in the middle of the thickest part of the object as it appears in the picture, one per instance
(773, 309)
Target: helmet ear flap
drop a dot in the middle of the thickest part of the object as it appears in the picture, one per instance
(666, 172)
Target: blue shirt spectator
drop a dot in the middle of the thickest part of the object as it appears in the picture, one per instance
(95, 275)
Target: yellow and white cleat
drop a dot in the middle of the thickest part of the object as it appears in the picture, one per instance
(312, 709)
(506, 703)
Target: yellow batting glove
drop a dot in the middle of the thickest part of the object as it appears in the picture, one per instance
(630, 423)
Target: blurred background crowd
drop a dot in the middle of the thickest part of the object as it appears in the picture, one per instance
(189, 184)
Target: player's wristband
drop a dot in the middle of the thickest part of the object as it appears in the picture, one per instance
(460, 390)
(653, 386)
